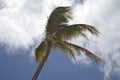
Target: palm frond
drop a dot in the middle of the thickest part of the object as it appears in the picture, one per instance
(66, 49)
(40, 51)
(59, 16)
(87, 52)
(69, 31)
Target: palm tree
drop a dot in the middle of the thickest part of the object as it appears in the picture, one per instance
(58, 32)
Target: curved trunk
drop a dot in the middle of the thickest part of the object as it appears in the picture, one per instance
(42, 62)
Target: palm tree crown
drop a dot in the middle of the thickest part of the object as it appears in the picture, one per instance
(58, 32)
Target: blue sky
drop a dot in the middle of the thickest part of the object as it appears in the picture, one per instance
(22, 25)
(59, 67)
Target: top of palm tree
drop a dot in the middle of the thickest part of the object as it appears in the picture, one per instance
(58, 32)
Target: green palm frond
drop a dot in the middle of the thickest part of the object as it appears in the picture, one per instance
(70, 31)
(59, 16)
(87, 52)
(40, 51)
(58, 32)
(66, 49)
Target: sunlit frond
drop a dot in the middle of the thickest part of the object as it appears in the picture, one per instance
(66, 49)
(40, 51)
(59, 16)
(70, 31)
(87, 52)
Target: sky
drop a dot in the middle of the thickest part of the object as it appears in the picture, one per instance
(22, 25)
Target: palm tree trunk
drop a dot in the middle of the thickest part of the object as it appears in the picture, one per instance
(42, 62)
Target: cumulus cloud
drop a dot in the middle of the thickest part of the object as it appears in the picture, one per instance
(19, 24)
(22, 22)
(105, 15)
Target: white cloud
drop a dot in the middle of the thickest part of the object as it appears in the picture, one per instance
(23, 21)
(105, 15)
(19, 25)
